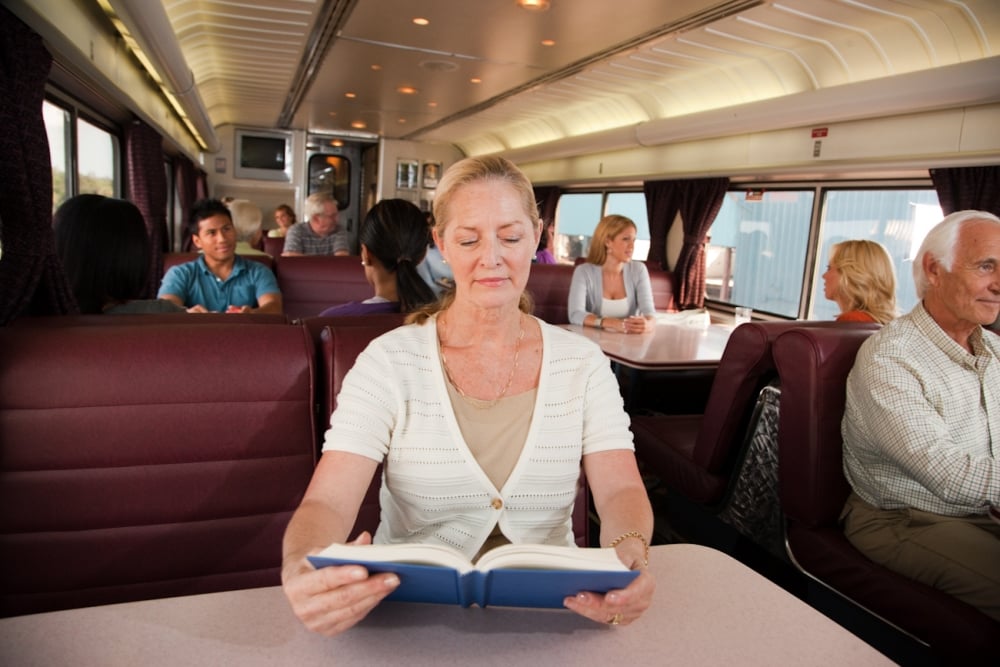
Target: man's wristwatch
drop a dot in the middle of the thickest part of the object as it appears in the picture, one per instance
(599, 323)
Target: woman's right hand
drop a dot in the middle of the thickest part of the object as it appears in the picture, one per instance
(332, 599)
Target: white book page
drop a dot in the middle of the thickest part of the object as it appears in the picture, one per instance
(417, 554)
(549, 557)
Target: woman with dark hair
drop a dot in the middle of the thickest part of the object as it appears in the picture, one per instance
(394, 237)
(104, 248)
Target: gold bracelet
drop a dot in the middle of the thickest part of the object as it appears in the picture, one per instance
(637, 535)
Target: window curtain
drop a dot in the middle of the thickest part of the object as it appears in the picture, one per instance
(962, 188)
(31, 278)
(187, 177)
(197, 179)
(147, 186)
(698, 201)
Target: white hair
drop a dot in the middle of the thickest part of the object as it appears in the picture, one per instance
(246, 218)
(940, 243)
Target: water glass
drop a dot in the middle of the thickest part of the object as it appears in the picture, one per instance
(743, 315)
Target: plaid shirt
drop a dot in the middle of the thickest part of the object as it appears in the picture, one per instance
(302, 239)
(922, 422)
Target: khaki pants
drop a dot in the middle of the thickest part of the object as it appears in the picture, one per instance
(959, 555)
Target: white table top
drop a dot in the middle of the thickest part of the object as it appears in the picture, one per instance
(709, 609)
(667, 347)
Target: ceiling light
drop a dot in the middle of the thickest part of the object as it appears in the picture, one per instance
(421, 21)
(475, 79)
(406, 90)
(350, 96)
(533, 5)
(359, 125)
(548, 42)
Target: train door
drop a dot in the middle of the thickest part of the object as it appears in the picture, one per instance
(334, 166)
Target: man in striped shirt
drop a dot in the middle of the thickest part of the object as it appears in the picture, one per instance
(922, 422)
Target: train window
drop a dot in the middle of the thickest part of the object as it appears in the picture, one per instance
(84, 155)
(579, 212)
(757, 250)
(332, 174)
(897, 218)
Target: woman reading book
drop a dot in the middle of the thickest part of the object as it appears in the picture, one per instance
(482, 416)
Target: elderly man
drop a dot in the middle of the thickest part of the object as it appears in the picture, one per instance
(922, 422)
(319, 234)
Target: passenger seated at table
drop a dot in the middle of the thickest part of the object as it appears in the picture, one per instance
(860, 278)
(220, 280)
(481, 415)
(393, 237)
(609, 291)
(922, 422)
(105, 251)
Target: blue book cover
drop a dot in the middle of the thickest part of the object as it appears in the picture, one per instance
(508, 576)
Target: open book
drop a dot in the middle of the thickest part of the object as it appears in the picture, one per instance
(512, 575)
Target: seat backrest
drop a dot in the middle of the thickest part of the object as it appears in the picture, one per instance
(142, 462)
(662, 284)
(341, 346)
(174, 258)
(154, 319)
(310, 284)
(746, 366)
(813, 364)
(274, 245)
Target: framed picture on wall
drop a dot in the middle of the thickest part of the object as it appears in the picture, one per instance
(432, 172)
(406, 174)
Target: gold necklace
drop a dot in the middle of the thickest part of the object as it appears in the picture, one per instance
(478, 402)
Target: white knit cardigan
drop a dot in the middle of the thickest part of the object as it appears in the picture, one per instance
(394, 408)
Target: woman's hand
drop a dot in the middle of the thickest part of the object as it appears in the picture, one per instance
(332, 599)
(618, 607)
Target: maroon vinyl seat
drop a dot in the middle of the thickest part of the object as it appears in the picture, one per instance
(310, 284)
(813, 365)
(695, 455)
(341, 346)
(273, 245)
(153, 319)
(142, 462)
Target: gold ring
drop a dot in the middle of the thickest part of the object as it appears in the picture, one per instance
(615, 620)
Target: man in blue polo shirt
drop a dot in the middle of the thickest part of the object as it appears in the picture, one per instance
(220, 280)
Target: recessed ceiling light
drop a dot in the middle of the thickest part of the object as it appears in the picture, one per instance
(376, 68)
(432, 104)
(533, 5)
(336, 143)
(421, 21)
(548, 42)
(402, 121)
(407, 90)
(359, 125)
(350, 95)
(475, 79)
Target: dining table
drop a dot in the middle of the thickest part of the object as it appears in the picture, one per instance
(707, 609)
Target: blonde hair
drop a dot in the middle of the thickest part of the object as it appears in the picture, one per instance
(607, 228)
(867, 278)
(470, 171)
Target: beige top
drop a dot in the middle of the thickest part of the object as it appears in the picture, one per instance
(495, 436)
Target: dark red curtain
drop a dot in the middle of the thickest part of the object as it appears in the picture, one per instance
(698, 201)
(191, 186)
(31, 278)
(147, 188)
(962, 188)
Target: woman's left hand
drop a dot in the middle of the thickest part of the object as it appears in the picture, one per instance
(617, 607)
(637, 324)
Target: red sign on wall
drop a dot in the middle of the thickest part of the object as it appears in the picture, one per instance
(819, 132)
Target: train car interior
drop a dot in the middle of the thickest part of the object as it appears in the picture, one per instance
(744, 138)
